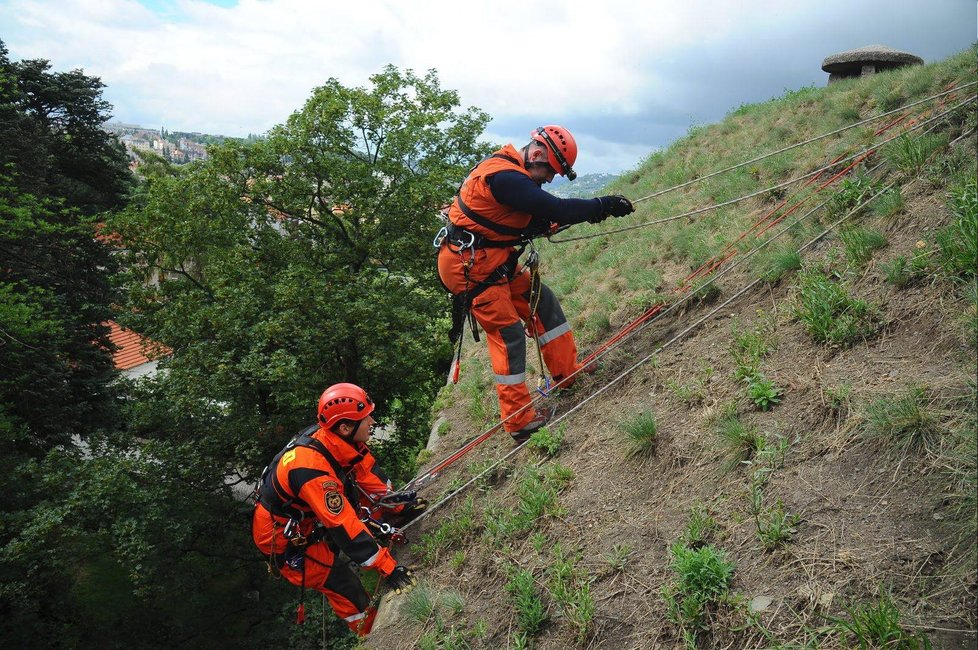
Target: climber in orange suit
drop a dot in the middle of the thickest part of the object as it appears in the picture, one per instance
(499, 206)
(309, 509)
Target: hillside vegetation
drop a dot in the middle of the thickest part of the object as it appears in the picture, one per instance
(798, 470)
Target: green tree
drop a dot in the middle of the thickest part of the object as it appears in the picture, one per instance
(302, 260)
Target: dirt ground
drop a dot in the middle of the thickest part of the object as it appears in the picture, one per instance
(871, 518)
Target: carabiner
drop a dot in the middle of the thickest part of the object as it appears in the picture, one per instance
(468, 244)
(440, 237)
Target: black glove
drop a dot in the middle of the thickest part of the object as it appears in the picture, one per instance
(601, 216)
(615, 205)
(413, 510)
(401, 580)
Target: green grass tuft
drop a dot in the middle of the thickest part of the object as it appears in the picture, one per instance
(829, 313)
(859, 244)
(641, 432)
(905, 420)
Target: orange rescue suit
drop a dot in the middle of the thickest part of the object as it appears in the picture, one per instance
(303, 484)
(502, 308)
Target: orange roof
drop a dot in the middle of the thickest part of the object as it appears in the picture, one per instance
(132, 349)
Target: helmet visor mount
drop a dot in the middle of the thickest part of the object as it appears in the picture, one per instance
(567, 170)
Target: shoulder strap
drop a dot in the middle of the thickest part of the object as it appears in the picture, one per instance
(481, 220)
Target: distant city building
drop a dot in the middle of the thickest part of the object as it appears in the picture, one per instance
(868, 60)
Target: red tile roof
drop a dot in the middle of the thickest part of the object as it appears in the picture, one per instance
(133, 349)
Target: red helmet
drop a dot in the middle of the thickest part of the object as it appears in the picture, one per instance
(561, 148)
(343, 402)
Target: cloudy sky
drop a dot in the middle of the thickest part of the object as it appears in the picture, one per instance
(626, 76)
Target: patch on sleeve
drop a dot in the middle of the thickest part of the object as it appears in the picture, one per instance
(334, 500)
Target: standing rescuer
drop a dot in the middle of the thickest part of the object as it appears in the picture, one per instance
(310, 504)
(498, 208)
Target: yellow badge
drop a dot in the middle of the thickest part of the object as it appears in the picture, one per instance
(288, 457)
(334, 502)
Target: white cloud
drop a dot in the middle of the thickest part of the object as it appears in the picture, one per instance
(197, 66)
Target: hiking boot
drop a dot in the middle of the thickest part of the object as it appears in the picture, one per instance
(543, 416)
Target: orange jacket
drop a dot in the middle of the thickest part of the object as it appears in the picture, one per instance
(475, 196)
(303, 483)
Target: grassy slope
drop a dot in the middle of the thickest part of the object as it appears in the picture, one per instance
(854, 490)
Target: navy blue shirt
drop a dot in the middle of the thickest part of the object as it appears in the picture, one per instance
(520, 192)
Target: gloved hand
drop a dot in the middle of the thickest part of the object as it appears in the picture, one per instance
(401, 580)
(616, 205)
(413, 510)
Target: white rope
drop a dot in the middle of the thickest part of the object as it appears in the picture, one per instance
(695, 325)
(697, 211)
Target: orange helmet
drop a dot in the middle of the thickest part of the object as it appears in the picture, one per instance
(343, 402)
(561, 148)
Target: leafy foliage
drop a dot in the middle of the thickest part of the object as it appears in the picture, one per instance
(704, 576)
(828, 312)
(295, 262)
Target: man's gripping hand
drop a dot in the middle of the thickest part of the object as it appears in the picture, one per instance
(401, 580)
(615, 205)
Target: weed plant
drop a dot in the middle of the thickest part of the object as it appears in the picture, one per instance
(557, 476)
(839, 399)
(851, 193)
(859, 244)
(531, 613)
(877, 625)
(902, 271)
(774, 525)
(547, 443)
(888, 204)
(700, 528)
(960, 463)
(641, 432)
(424, 601)
(704, 576)
(571, 589)
(772, 264)
(762, 392)
(618, 557)
(829, 313)
(907, 421)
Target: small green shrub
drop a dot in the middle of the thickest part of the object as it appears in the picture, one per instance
(829, 313)
(641, 431)
(905, 420)
(762, 392)
(531, 613)
(546, 442)
(877, 625)
(860, 243)
(704, 576)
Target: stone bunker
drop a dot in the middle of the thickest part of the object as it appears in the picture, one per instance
(867, 60)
